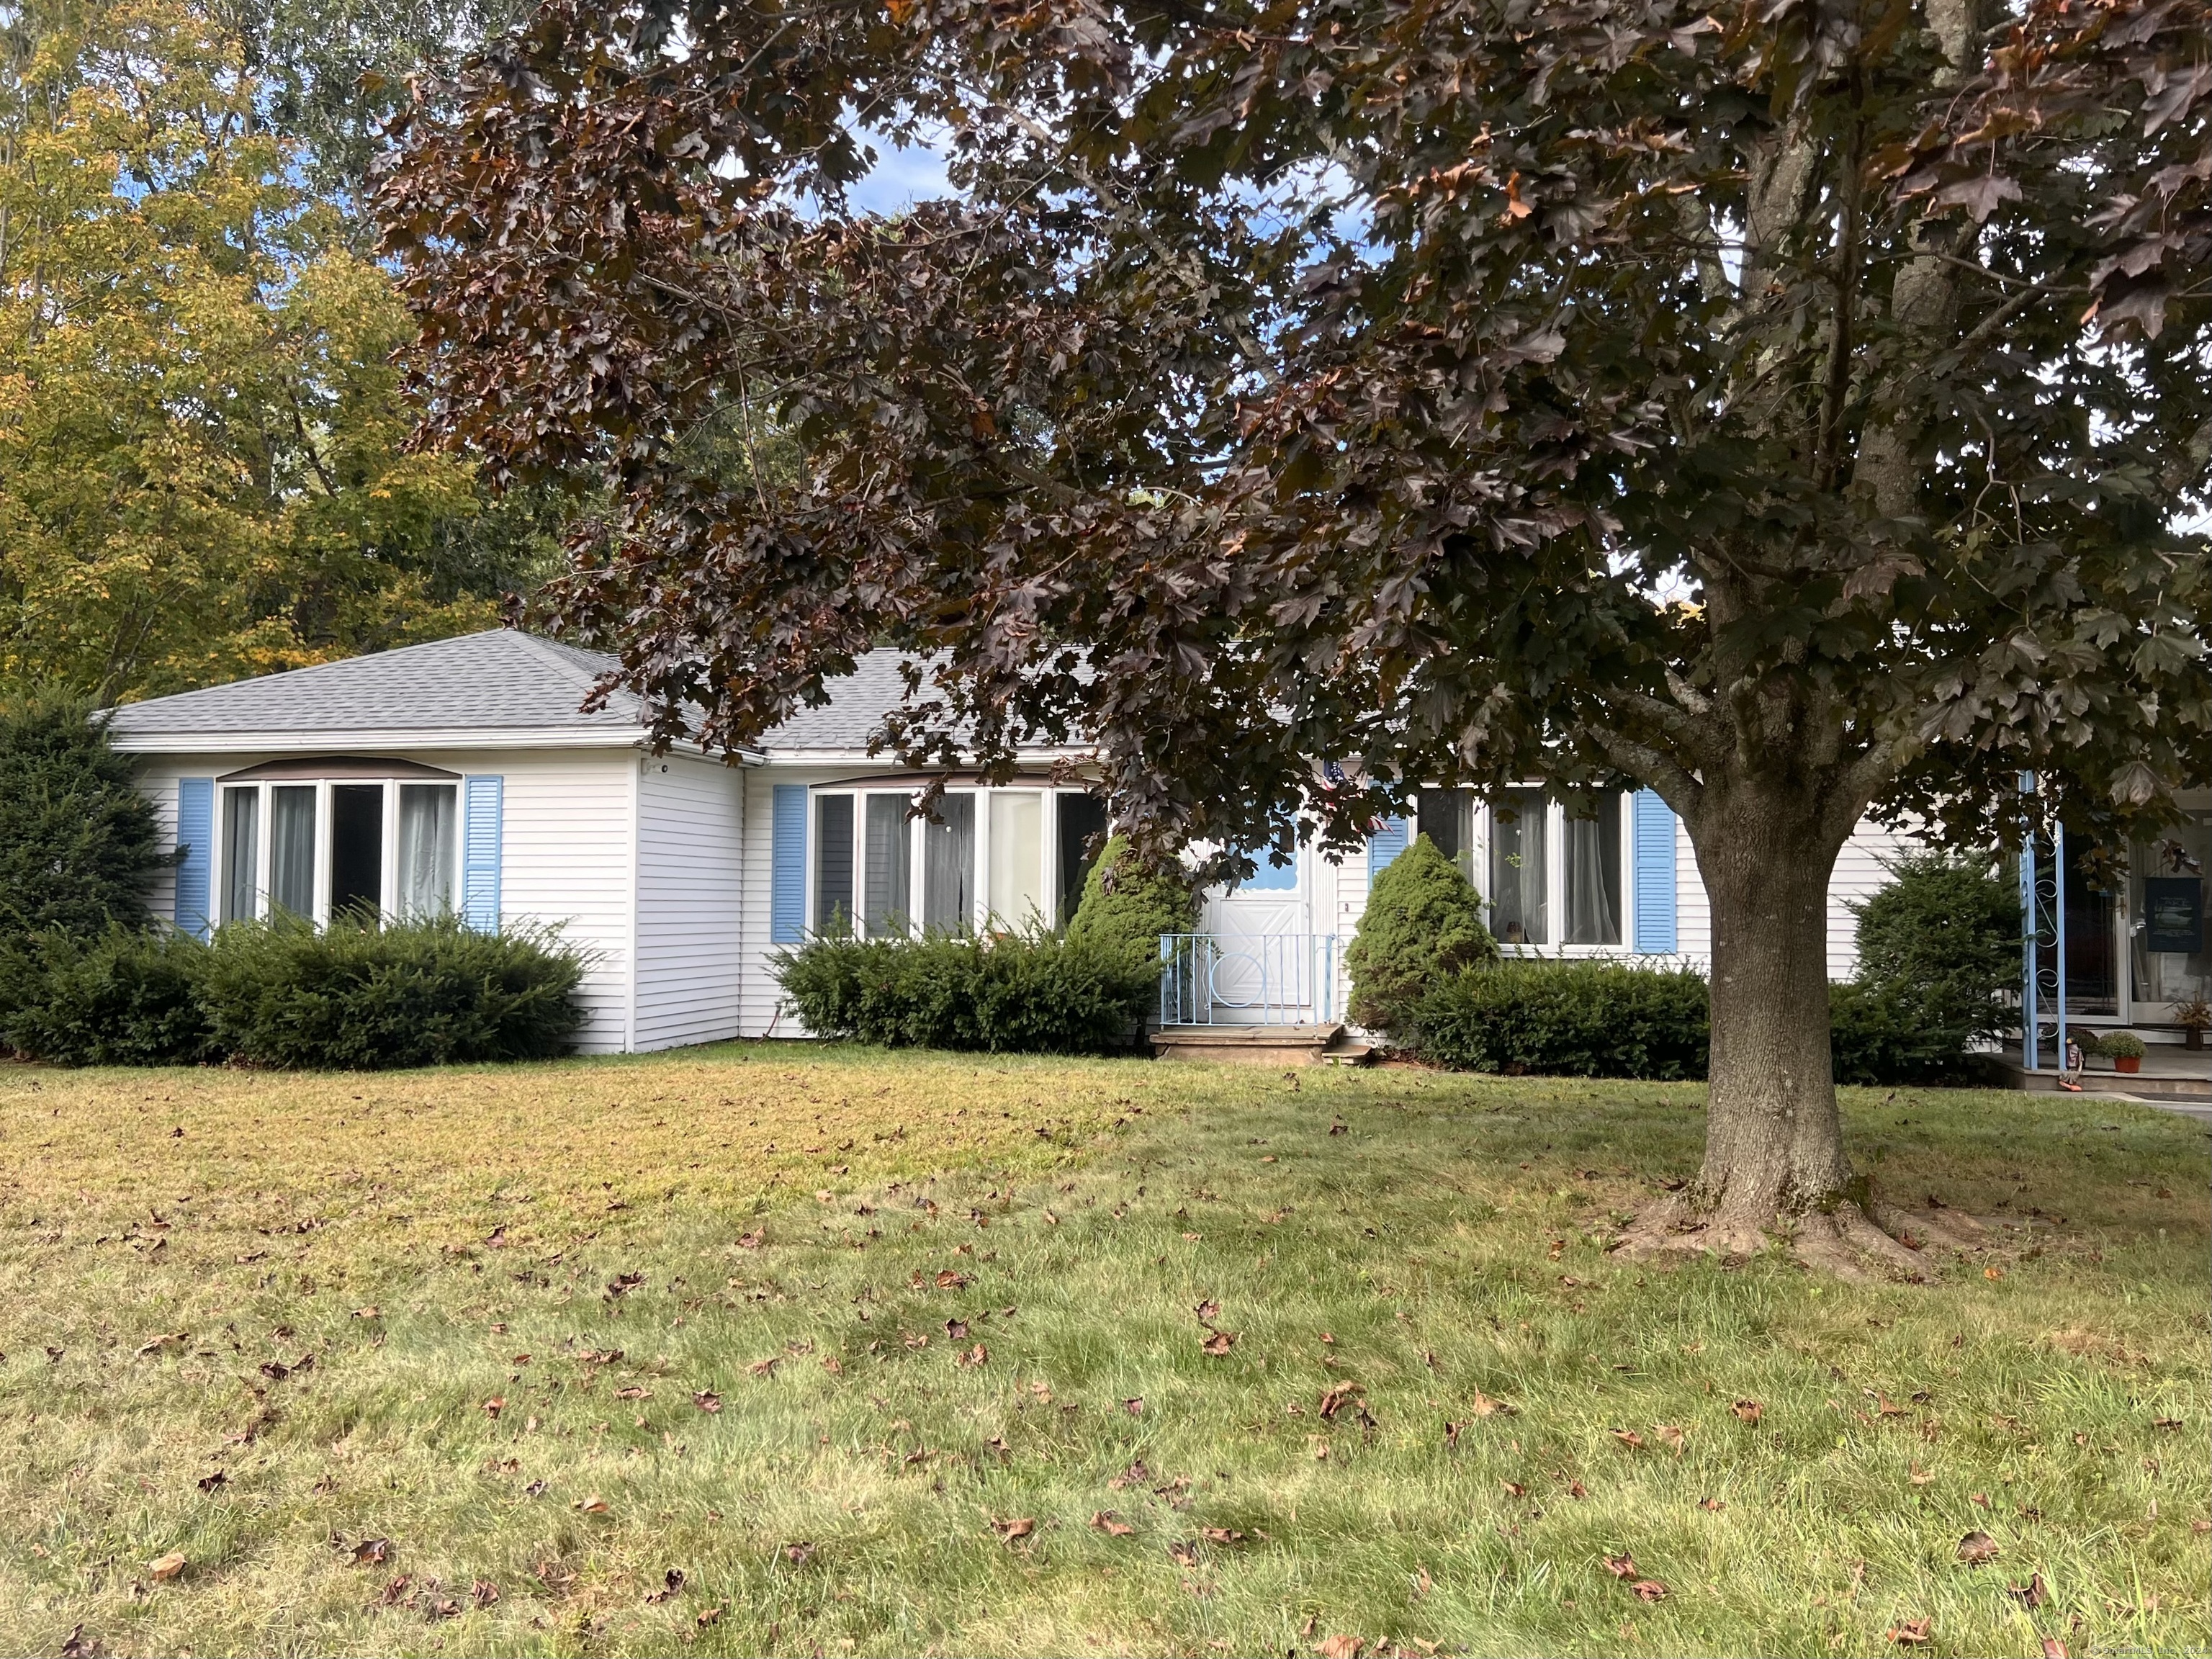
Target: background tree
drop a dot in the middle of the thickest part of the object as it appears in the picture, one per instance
(1789, 407)
(203, 466)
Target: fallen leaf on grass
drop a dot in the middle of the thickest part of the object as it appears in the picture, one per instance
(77, 1645)
(1221, 1535)
(1207, 1311)
(1918, 1476)
(1977, 1547)
(1135, 1406)
(2053, 1648)
(1340, 1647)
(712, 1616)
(1993, 1272)
(1338, 1396)
(1622, 1566)
(1184, 1553)
(483, 1592)
(798, 1554)
(633, 1394)
(2032, 1595)
(1649, 1589)
(1674, 1436)
(1514, 1488)
(1747, 1411)
(371, 1551)
(494, 1405)
(1111, 1524)
(707, 1400)
(164, 1567)
(763, 1367)
(1217, 1344)
(1912, 1632)
(164, 1342)
(2166, 1422)
(208, 1483)
(671, 1583)
(979, 1355)
(753, 1240)
(1486, 1407)
(1014, 1527)
(1630, 1438)
(594, 1504)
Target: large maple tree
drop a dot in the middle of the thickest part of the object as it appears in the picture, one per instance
(1796, 407)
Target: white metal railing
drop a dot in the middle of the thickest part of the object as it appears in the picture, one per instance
(1270, 979)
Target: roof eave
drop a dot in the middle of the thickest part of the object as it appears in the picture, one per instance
(293, 741)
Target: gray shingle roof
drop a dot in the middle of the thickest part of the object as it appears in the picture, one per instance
(496, 681)
(499, 681)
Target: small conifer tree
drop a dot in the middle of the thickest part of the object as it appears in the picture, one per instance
(1422, 926)
(1126, 905)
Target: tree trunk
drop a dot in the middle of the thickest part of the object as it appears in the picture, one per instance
(1774, 1144)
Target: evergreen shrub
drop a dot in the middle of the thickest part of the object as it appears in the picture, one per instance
(1126, 905)
(1423, 925)
(1567, 1019)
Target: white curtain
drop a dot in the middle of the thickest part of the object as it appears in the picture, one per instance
(428, 821)
(1519, 914)
(1017, 887)
(1592, 918)
(292, 849)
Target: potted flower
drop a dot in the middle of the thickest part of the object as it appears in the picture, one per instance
(2194, 1017)
(2123, 1049)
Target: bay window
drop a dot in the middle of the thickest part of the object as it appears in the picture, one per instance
(359, 842)
(985, 860)
(1550, 874)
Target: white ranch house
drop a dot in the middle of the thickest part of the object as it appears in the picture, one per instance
(460, 773)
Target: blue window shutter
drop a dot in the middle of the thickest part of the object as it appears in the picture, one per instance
(1653, 834)
(786, 908)
(196, 839)
(480, 837)
(1384, 845)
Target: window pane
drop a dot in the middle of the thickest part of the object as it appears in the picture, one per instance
(357, 851)
(2171, 914)
(1447, 817)
(1017, 897)
(948, 865)
(429, 823)
(1082, 833)
(292, 849)
(833, 864)
(1590, 850)
(1271, 876)
(241, 850)
(1517, 899)
(886, 905)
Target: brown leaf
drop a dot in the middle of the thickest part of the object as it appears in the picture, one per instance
(1514, 1488)
(1111, 1524)
(798, 1554)
(671, 1581)
(1340, 1647)
(371, 1551)
(494, 1405)
(633, 1392)
(1622, 1566)
(1993, 1272)
(711, 1616)
(1217, 1344)
(978, 1355)
(1014, 1527)
(77, 1645)
(1630, 1438)
(2053, 1648)
(1221, 1535)
(956, 1329)
(483, 1592)
(763, 1367)
(1713, 1504)
(208, 1483)
(1674, 1436)
(753, 1240)
(2032, 1595)
(1649, 1589)
(707, 1400)
(1911, 1633)
(1134, 1405)
(594, 1504)
(1486, 1407)
(1747, 1411)
(1918, 1476)
(1977, 1547)
(947, 1279)
(164, 1567)
(1207, 1311)
(1184, 1553)
(832, 1364)
(1338, 1396)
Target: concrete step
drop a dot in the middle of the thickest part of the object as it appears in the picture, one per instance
(1247, 1045)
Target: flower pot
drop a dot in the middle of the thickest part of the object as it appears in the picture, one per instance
(2126, 1063)
(2195, 1039)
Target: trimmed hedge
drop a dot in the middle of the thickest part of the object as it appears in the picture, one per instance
(1567, 1019)
(1423, 923)
(1018, 994)
(281, 995)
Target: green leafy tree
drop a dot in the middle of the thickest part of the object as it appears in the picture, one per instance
(1127, 904)
(1423, 925)
(1795, 409)
(204, 469)
(78, 841)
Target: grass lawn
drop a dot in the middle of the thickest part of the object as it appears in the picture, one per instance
(932, 1354)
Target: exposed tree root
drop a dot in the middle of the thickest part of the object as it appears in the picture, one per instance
(1878, 1241)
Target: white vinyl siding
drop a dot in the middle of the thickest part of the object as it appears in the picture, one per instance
(690, 946)
(758, 995)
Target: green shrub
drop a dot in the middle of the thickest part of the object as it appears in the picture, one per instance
(125, 999)
(2118, 1045)
(1881, 1036)
(1943, 938)
(1423, 925)
(1126, 905)
(1567, 1019)
(1031, 992)
(78, 841)
(421, 993)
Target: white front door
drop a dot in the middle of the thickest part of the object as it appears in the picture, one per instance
(1261, 969)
